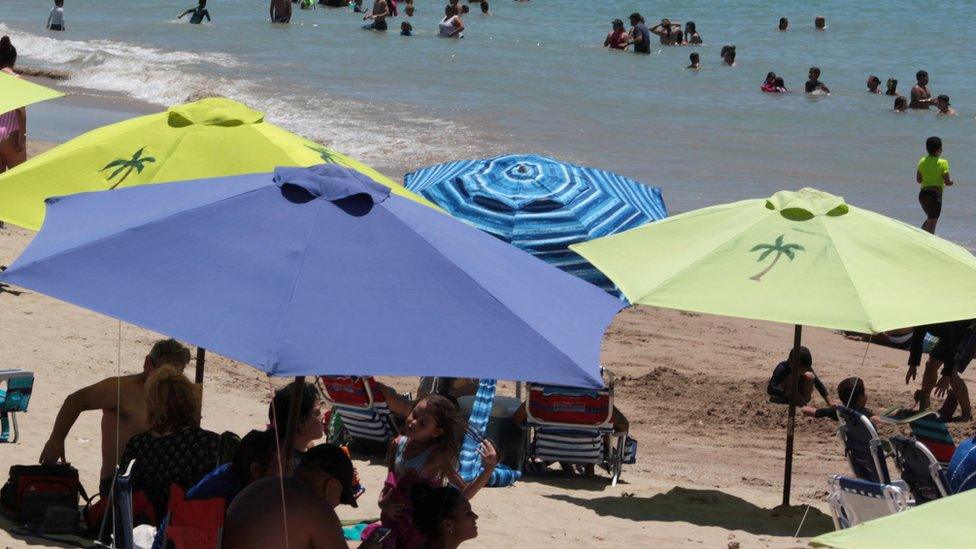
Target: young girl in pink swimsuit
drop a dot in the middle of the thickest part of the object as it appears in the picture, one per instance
(13, 124)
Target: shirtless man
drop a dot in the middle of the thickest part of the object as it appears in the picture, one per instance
(920, 96)
(381, 10)
(122, 401)
(322, 480)
(280, 11)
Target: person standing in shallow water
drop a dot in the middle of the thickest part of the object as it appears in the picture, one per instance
(617, 38)
(932, 174)
(640, 36)
(921, 98)
(280, 11)
(198, 12)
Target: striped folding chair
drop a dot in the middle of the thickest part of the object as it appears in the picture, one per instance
(360, 404)
(853, 501)
(934, 435)
(13, 399)
(919, 469)
(568, 425)
(470, 460)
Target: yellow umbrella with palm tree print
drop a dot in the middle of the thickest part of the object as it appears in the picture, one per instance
(209, 138)
(803, 258)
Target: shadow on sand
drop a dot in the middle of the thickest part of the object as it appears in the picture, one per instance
(708, 508)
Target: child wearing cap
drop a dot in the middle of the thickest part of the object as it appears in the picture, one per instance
(932, 174)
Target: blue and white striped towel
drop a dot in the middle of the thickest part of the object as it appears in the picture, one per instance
(470, 460)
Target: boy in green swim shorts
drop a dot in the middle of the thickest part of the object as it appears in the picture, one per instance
(933, 175)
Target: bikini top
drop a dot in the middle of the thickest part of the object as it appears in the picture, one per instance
(416, 463)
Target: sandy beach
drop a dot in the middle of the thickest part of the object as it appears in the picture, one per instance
(710, 464)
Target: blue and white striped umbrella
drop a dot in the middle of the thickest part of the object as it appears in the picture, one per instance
(541, 205)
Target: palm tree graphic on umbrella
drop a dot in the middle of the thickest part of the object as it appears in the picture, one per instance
(325, 154)
(789, 250)
(137, 163)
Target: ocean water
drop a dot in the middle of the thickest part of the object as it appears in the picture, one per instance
(534, 78)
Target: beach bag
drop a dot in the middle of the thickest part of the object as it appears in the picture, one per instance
(32, 489)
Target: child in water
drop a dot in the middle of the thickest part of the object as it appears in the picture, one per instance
(901, 104)
(427, 452)
(932, 175)
(406, 29)
(198, 12)
(55, 20)
(695, 61)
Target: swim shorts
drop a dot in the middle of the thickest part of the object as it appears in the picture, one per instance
(931, 201)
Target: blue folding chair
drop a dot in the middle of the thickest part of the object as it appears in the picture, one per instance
(862, 446)
(853, 501)
(13, 399)
(919, 469)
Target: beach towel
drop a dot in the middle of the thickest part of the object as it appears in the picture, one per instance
(470, 460)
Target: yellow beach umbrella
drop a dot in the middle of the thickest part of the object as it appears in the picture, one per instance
(209, 138)
(17, 92)
(803, 258)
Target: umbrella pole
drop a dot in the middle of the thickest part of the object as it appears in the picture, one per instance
(298, 389)
(791, 420)
(201, 360)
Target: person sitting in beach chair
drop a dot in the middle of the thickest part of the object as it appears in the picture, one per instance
(255, 458)
(574, 427)
(852, 395)
(310, 426)
(321, 482)
(123, 404)
(174, 450)
(366, 410)
(778, 387)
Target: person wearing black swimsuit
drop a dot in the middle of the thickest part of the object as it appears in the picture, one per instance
(198, 12)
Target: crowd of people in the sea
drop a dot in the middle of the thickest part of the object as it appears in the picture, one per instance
(671, 33)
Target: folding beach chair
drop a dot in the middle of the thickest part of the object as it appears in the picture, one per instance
(13, 399)
(919, 469)
(360, 404)
(566, 424)
(853, 501)
(862, 446)
(934, 435)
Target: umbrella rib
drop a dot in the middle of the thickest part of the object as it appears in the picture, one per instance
(493, 297)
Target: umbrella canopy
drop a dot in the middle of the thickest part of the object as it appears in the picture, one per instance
(17, 92)
(212, 137)
(318, 270)
(540, 205)
(801, 257)
(946, 522)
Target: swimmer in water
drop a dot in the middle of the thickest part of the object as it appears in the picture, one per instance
(617, 38)
(691, 34)
(728, 55)
(409, 9)
(769, 85)
(892, 90)
(198, 12)
(280, 12)
(942, 103)
(873, 84)
(820, 23)
(814, 85)
(484, 8)
(695, 62)
(780, 85)
(381, 10)
(901, 104)
(784, 24)
(665, 31)
(406, 29)
(920, 96)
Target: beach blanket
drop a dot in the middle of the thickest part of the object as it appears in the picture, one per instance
(470, 459)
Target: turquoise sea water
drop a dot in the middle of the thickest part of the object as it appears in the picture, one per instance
(534, 78)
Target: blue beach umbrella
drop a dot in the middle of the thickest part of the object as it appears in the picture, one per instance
(309, 271)
(541, 205)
